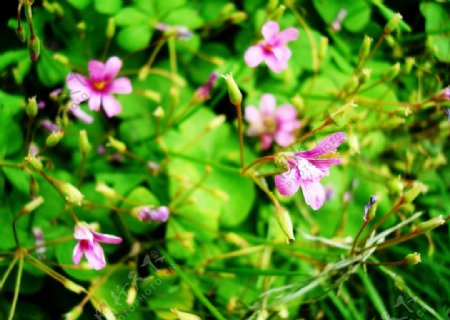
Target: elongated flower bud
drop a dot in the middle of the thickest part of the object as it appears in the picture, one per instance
(32, 107)
(394, 22)
(85, 146)
(392, 72)
(233, 90)
(33, 204)
(365, 48)
(370, 208)
(20, 32)
(54, 138)
(110, 28)
(119, 146)
(285, 222)
(413, 258)
(184, 315)
(414, 192)
(74, 314)
(106, 191)
(430, 224)
(34, 162)
(71, 194)
(34, 47)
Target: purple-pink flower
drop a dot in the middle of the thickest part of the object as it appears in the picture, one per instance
(202, 93)
(157, 214)
(272, 50)
(307, 168)
(270, 123)
(98, 89)
(88, 244)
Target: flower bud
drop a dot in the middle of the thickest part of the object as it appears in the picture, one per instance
(143, 73)
(145, 213)
(33, 204)
(106, 191)
(282, 160)
(31, 108)
(233, 90)
(54, 138)
(394, 22)
(71, 194)
(61, 59)
(284, 220)
(272, 5)
(414, 192)
(20, 32)
(34, 47)
(396, 185)
(85, 146)
(131, 297)
(184, 315)
(74, 314)
(338, 114)
(392, 72)
(370, 208)
(34, 162)
(413, 259)
(364, 76)
(353, 143)
(365, 47)
(227, 9)
(159, 112)
(278, 13)
(238, 17)
(110, 28)
(236, 239)
(430, 224)
(217, 121)
(323, 47)
(409, 63)
(119, 146)
(152, 95)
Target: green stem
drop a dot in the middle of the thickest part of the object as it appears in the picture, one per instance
(241, 135)
(16, 289)
(8, 271)
(197, 292)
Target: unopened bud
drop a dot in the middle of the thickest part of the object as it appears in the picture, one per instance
(272, 5)
(236, 239)
(365, 47)
(74, 314)
(430, 224)
(394, 22)
(33, 204)
(34, 47)
(393, 122)
(72, 286)
(174, 94)
(323, 47)
(110, 28)
(392, 72)
(54, 138)
(32, 107)
(396, 185)
(233, 90)
(81, 26)
(217, 121)
(364, 77)
(298, 102)
(131, 297)
(413, 259)
(119, 146)
(282, 160)
(85, 146)
(338, 114)
(278, 13)
(414, 192)
(353, 143)
(71, 194)
(61, 59)
(409, 64)
(106, 191)
(158, 113)
(34, 162)
(152, 95)
(227, 9)
(370, 208)
(184, 315)
(238, 17)
(284, 220)
(20, 32)
(143, 73)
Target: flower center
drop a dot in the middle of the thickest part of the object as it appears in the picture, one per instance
(270, 124)
(267, 48)
(100, 85)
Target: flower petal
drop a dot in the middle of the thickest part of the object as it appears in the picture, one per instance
(79, 87)
(290, 34)
(286, 112)
(121, 85)
(266, 141)
(288, 183)
(270, 30)
(254, 56)
(111, 106)
(267, 104)
(282, 53)
(94, 101)
(96, 70)
(274, 64)
(80, 114)
(95, 256)
(107, 238)
(284, 138)
(252, 114)
(83, 232)
(314, 193)
(307, 170)
(77, 253)
(112, 68)
(330, 143)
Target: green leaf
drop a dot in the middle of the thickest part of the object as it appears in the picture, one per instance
(50, 71)
(437, 16)
(108, 7)
(12, 57)
(190, 18)
(19, 179)
(134, 38)
(130, 16)
(79, 4)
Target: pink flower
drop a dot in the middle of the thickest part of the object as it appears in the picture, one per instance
(88, 244)
(202, 93)
(100, 87)
(306, 170)
(272, 50)
(270, 123)
(158, 214)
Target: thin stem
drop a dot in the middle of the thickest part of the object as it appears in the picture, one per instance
(30, 20)
(265, 158)
(83, 165)
(358, 235)
(8, 271)
(241, 135)
(16, 288)
(326, 123)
